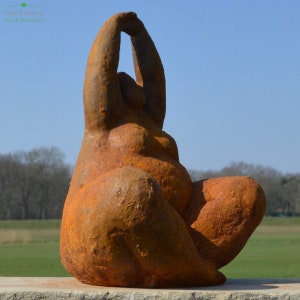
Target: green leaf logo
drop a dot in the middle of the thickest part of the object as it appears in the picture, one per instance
(23, 4)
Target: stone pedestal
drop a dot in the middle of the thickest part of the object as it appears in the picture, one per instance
(69, 288)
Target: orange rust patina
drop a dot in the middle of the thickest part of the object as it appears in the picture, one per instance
(132, 216)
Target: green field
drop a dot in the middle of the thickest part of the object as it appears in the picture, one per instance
(273, 251)
(31, 248)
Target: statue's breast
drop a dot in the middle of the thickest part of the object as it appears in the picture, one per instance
(134, 139)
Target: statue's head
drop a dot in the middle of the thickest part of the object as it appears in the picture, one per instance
(132, 93)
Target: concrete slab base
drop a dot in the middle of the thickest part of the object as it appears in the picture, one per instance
(69, 288)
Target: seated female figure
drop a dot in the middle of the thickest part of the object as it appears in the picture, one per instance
(132, 216)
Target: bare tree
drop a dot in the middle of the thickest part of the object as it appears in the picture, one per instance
(8, 194)
(35, 183)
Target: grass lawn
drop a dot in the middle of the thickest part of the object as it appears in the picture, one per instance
(273, 251)
(33, 259)
(31, 248)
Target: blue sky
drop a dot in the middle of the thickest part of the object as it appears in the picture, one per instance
(232, 70)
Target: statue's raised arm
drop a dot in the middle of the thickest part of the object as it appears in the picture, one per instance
(102, 99)
(149, 73)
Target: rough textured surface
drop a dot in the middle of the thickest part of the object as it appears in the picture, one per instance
(132, 216)
(70, 288)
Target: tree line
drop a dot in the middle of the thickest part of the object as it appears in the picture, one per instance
(34, 184)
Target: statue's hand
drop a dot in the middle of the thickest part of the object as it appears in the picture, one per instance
(128, 22)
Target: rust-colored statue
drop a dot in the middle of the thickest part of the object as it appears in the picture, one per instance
(132, 216)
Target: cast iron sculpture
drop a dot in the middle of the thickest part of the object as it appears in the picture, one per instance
(132, 216)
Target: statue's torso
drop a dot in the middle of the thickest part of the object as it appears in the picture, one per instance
(132, 145)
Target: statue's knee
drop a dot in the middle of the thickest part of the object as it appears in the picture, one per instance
(135, 184)
(128, 193)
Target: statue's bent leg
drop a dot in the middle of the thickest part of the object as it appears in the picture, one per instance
(223, 214)
(123, 233)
